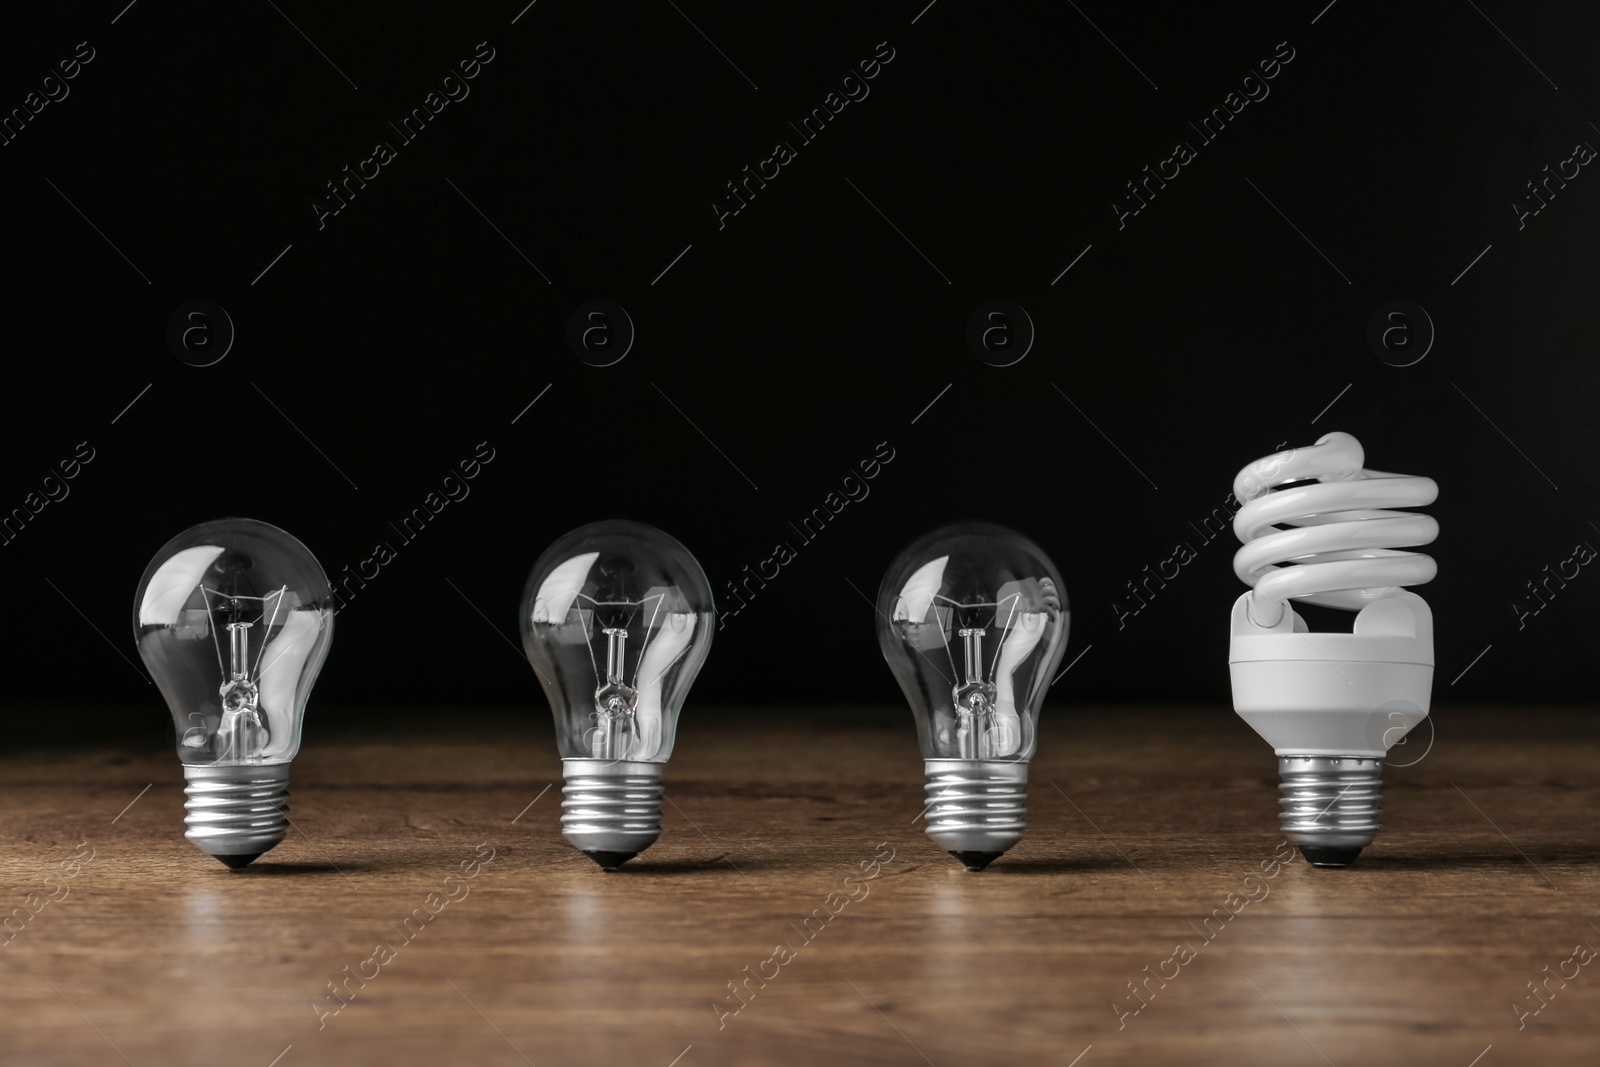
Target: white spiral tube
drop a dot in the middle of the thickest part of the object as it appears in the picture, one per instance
(1344, 546)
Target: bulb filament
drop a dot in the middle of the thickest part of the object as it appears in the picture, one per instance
(242, 732)
(974, 700)
(614, 701)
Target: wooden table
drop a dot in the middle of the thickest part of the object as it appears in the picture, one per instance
(1142, 822)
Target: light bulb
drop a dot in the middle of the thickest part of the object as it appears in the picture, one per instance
(616, 619)
(233, 620)
(973, 621)
(1331, 704)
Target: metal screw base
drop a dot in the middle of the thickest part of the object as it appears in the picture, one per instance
(611, 809)
(977, 809)
(236, 813)
(1330, 806)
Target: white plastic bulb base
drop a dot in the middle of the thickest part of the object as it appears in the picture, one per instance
(1331, 705)
(976, 809)
(236, 813)
(611, 809)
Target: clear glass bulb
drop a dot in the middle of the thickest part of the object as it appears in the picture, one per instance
(233, 619)
(616, 619)
(973, 621)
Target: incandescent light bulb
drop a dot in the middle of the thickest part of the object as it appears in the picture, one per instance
(616, 619)
(973, 621)
(233, 619)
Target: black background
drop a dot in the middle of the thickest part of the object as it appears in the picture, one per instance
(1205, 333)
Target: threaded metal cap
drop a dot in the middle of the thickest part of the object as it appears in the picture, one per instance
(236, 813)
(976, 809)
(611, 809)
(1330, 806)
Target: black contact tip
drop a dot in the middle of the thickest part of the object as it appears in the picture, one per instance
(238, 861)
(610, 861)
(975, 861)
(1329, 856)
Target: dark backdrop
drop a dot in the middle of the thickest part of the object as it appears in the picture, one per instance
(375, 351)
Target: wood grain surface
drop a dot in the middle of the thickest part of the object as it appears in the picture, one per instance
(1144, 825)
